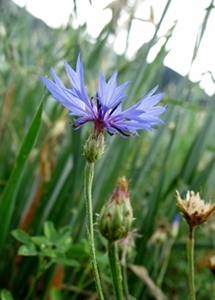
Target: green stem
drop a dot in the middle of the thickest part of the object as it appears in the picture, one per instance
(115, 269)
(89, 172)
(31, 290)
(43, 266)
(213, 291)
(166, 256)
(125, 282)
(190, 252)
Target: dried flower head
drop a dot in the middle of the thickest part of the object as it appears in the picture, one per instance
(195, 210)
(211, 264)
(160, 235)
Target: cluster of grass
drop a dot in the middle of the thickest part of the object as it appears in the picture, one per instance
(42, 165)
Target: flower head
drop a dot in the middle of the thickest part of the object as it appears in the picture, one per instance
(195, 210)
(105, 109)
(116, 216)
(160, 235)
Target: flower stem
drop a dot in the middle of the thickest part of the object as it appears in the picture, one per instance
(89, 172)
(213, 291)
(166, 256)
(115, 269)
(190, 252)
(43, 266)
(125, 282)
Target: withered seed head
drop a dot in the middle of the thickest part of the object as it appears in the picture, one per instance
(211, 264)
(195, 210)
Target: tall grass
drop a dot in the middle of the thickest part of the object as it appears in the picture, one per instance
(42, 163)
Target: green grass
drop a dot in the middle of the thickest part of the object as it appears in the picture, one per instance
(42, 160)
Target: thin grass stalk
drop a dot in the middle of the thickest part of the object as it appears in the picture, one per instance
(201, 32)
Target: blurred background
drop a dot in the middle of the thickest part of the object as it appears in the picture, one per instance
(169, 43)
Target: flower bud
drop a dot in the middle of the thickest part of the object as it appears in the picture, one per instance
(94, 147)
(116, 216)
(175, 226)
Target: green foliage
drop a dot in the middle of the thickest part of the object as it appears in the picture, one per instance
(42, 163)
(53, 245)
(9, 195)
(6, 295)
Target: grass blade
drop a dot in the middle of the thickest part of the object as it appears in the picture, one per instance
(8, 198)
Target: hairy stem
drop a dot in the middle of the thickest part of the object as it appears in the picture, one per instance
(190, 254)
(115, 270)
(89, 172)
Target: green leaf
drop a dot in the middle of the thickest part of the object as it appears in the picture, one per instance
(8, 198)
(64, 239)
(55, 294)
(79, 251)
(21, 236)
(6, 295)
(49, 230)
(40, 241)
(67, 262)
(27, 250)
(51, 253)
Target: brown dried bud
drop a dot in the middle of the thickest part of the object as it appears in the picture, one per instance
(211, 264)
(194, 209)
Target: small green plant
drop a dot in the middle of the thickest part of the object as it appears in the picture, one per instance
(51, 248)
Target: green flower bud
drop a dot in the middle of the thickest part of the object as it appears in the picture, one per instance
(116, 216)
(94, 147)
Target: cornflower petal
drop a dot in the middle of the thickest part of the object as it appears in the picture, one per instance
(76, 79)
(105, 109)
(57, 79)
(62, 95)
(109, 94)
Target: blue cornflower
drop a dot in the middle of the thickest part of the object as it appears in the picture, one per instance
(105, 109)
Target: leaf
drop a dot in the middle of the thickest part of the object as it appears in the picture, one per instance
(21, 236)
(142, 273)
(64, 239)
(79, 251)
(8, 198)
(67, 262)
(55, 294)
(40, 241)
(51, 253)
(27, 250)
(49, 230)
(6, 295)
